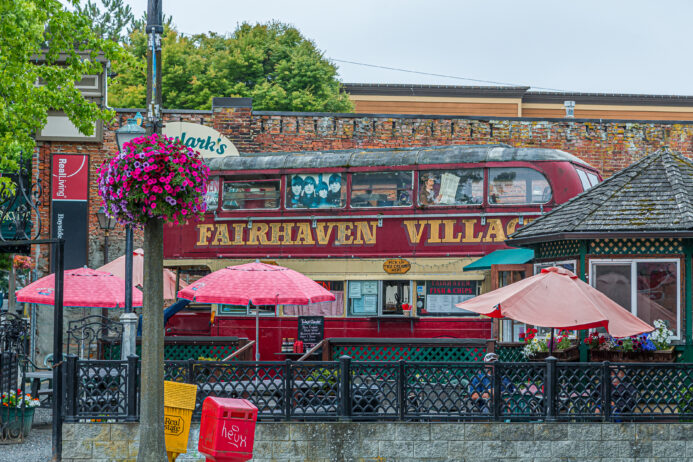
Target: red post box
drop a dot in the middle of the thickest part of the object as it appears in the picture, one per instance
(227, 429)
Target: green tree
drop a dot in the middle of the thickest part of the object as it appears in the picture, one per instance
(113, 23)
(41, 41)
(271, 63)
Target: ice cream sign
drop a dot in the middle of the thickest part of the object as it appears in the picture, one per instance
(209, 142)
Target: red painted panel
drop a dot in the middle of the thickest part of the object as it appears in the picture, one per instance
(273, 329)
(70, 177)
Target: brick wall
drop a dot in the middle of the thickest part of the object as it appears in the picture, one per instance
(322, 442)
(608, 145)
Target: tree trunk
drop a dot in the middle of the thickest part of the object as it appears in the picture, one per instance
(152, 445)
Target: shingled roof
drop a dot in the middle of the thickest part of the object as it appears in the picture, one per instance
(651, 196)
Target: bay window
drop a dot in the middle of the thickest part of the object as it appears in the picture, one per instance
(648, 288)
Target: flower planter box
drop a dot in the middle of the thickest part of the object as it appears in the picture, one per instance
(664, 356)
(13, 421)
(568, 355)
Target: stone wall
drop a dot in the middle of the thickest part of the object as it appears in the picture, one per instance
(530, 442)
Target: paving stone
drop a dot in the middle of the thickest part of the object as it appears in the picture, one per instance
(388, 449)
(550, 432)
(87, 432)
(481, 432)
(109, 449)
(471, 450)
(77, 449)
(428, 449)
(447, 432)
(503, 449)
(414, 431)
(272, 432)
(515, 432)
(309, 431)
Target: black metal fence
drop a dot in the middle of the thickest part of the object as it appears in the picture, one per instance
(407, 391)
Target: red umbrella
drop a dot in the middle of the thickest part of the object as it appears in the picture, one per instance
(259, 284)
(83, 287)
(117, 268)
(256, 283)
(557, 298)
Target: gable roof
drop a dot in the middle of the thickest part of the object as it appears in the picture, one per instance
(651, 196)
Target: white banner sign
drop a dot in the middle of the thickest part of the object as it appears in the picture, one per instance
(209, 142)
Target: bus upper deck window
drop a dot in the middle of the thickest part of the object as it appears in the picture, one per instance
(252, 194)
(517, 186)
(451, 187)
(316, 190)
(381, 189)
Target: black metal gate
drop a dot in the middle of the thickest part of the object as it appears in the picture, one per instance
(16, 406)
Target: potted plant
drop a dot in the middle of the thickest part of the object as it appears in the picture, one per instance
(655, 346)
(537, 348)
(17, 412)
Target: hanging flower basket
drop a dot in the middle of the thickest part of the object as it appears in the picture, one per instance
(155, 177)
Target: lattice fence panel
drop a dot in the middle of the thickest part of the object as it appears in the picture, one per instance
(636, 246)
(510, 354)
(409, 353)
(557, 249)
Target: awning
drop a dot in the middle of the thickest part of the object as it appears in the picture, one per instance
(501, 257)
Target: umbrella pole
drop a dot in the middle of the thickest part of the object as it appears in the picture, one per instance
(257, 332)
(551, 344)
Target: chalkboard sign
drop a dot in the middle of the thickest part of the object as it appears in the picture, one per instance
(310, 331)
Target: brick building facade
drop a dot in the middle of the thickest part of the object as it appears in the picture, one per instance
(608, 145)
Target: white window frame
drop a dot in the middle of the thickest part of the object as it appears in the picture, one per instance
(553, 263)
(379, 312)
(634, 275)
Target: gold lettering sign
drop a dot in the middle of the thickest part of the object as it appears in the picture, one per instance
(354, 233)
(396, 266)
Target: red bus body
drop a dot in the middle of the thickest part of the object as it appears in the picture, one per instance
(328, 243)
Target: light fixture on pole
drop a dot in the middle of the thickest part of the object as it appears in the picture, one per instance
(106, 223)
(128, 132)
(125, 134)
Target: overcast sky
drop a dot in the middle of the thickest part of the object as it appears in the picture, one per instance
(604, 46)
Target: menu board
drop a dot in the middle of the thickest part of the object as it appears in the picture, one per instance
(442, 296)
(311, 330)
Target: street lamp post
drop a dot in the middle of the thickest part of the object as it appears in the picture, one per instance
(107, 224)
(125, 134)
(152, 446)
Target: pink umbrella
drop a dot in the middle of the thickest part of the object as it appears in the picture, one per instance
(256, 283)
(557, 298)
(117, 267)
(259, 284)
(83, 287)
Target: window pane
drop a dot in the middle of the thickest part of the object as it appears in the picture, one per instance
(583, 179)
(259, 194)
(212, 195)
(451, 187)
(363, 298)
(311, 191)
(440, 297)
(657, 292)
(594, 179)
(395, 293)
(517, 186)
(614, 282)
(386, 189)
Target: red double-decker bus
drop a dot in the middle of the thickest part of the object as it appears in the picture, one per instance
(380, 228)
